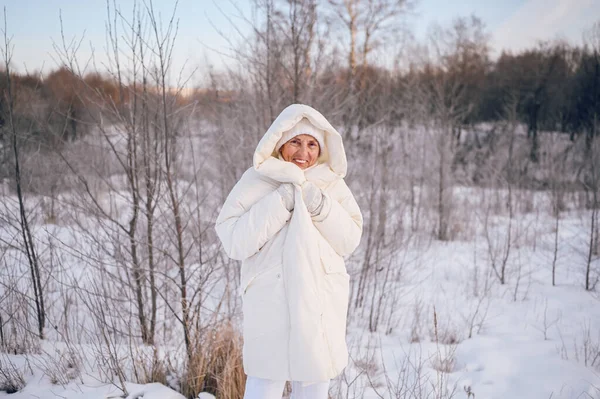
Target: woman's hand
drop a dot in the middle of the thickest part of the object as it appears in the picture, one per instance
(286, 190)
(313, 198)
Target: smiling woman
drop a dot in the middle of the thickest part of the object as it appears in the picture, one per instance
(291, 219)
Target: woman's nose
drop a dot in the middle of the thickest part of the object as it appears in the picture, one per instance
(304, 149)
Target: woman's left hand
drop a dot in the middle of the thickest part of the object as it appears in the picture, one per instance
(313, 197)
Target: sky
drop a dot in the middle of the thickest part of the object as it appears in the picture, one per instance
(517, 24)
(35, 28)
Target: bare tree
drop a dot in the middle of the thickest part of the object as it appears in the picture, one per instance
(369, 24)
(499, 254)
(26, 234)
(299, 28)
(558, 184)
(535, 101)
(592, 38)
(590, 170)
(591, 183)
(458, 51)
(373, 21)
(444, 96)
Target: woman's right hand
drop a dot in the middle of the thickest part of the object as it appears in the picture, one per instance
(286, 190)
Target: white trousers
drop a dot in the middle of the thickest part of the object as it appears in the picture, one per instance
(259, 388)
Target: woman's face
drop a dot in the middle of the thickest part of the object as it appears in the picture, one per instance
(302, 150)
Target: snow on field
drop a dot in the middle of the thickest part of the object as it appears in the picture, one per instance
(92, 389)
(49, 373)
(522, 339)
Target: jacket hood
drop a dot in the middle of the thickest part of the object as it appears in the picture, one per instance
(333, 155)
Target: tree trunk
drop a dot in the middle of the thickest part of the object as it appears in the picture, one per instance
(30, 251)
(533, 134)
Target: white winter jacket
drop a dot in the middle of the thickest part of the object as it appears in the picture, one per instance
(294, 282)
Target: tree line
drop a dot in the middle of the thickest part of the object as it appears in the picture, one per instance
(555, 86)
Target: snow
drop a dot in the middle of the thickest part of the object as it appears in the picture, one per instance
(522, 339)
(529, 338)
(88, 386)
(90, 390)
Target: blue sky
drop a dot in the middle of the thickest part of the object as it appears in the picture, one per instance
(34, 24)
(35, 28)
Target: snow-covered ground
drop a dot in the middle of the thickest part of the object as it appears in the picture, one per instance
(446, 326)
(523, 339)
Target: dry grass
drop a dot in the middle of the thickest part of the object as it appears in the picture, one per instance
(12, 379)
(61, 367)
(150, 367)
(17, 335)
(216, 365)
(585, 349)
(444, 361)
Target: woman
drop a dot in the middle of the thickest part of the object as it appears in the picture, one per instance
(291, 219)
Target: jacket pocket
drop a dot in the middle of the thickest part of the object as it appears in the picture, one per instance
(331, 261)
(256, 278)
(264, 304)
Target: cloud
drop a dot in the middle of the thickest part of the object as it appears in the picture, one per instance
(545, 19)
